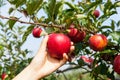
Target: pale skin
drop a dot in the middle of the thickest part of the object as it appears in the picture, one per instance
(42, 64)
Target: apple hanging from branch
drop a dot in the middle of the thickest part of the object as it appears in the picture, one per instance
(98, 42)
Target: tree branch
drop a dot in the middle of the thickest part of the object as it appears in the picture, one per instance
(41, 24)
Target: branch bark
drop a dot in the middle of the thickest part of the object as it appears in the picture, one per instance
(32, 23)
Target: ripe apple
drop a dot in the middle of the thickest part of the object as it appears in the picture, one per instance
(96, 13)
(76, 35)
(87, 60)
(98, 42)
(37, 32)
(116, 64)
(58, 44)
(3, 76)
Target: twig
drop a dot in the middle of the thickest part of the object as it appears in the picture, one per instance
(64, 76)
(41, 24)
(71, 68)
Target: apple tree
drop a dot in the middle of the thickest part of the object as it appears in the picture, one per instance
(93, 27)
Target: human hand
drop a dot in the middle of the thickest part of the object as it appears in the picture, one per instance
(42, 64)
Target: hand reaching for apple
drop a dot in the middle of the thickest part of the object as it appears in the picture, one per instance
(42, 64)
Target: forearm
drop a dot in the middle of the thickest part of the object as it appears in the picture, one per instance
(27, 74)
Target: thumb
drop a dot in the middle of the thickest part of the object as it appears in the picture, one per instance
(43, 44)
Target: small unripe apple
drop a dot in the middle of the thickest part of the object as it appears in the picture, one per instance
(96, 13)
(58, 44)
(98, 42)
(37, 32)
(116, 64)
(76, 35)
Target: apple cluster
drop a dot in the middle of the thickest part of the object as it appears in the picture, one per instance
(60, 43)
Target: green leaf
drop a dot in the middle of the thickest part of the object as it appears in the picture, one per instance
(29, 30)
(17, 3)
(1, 24)
(117, 4)
(49, 29)
(115, 36)
(20, 3)
(113, 25)
(12, 22)
(102, 7)
(70, 5)
(33, 5)
(92, 5)
(107, 51)
(12, 1)
(58, 8)
(10, 10)
(118, 23)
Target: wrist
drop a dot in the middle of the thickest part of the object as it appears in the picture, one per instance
(28, 74)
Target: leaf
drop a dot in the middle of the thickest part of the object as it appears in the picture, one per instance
(102, 7)
(17, 3)
(115, 36)
(12, 1)
(1, 24)
(29, 29)
(70, 5)
(12, 22)
(49, 29)
(92, 5)
(118, 23)
(117, 4)
(113, 25)
(33, 5)
(107, 6)
(58, 8)
(20, 3)
(10, 10)
(107, 51)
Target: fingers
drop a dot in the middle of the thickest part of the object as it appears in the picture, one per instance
(42, 49)
(44, 43)
(72, 48)
(64, 60)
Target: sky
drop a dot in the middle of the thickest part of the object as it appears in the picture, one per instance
(34, 43)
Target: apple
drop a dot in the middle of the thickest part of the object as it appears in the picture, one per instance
(3, 76)
(87, 60)
(98, 42)
(58, 44)
(37, 32)
(116, 64)
(76, 35)
(96, 13)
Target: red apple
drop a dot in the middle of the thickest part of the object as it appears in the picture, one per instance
(87, 60)
(3, 76)
(76, 35)
(37, 32)
(116, 64)
(58, 44)
(96, 13)
(98, 42)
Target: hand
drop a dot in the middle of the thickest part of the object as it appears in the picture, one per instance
(42, 64)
